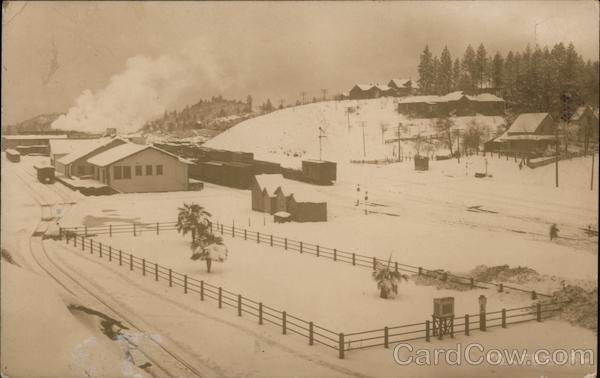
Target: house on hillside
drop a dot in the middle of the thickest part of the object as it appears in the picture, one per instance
(529, 133)
(133, 168)
(583, 125)
(364, 91)
(76, 163)
(455, 103)
(404, 87)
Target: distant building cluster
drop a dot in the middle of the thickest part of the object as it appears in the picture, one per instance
(455, 103)
(394, 88)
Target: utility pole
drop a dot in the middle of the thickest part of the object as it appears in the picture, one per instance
(348, 117)
(362, 124)
(565, 115)
(321, 136)
(303, 95)
(324, 91)
(398, 136)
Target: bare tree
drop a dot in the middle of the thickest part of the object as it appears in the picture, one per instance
(444, 126)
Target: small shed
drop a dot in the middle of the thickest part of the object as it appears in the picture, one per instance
(305, 208)
(267, 195)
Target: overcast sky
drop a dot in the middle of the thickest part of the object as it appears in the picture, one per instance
(54, 51)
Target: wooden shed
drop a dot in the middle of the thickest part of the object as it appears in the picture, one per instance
(267, 195)
(304, 208)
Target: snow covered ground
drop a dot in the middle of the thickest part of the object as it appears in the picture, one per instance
(289, 135)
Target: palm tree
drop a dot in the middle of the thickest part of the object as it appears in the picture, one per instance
(202, 248)
(193, 218)
(387, 279)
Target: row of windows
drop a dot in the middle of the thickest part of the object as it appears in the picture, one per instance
(124, 172)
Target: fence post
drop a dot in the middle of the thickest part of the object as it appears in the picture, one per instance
(245, 234)
(233, 231)
(533, 295)
(220, 297)
(83, 243)
(472, 282)
(75, 240)
(257, 237)
(202, 290)
(91, 247)
(120, 257)
(143, 267)
(386, 333)
(157, 228)
(260, 313)
(396, 266)
(452, 327)
(500, 288)
(110, 230)
(134, 229)
(482, 321)
(341, 346)
(85, 231)
(284, 322)
(185, 284)
(503, 318)
(427, 331)
(538, 310)
(317, 250)
(271, 240)
(130, 262)
(221, 229)
(374, 263)
(155, 272)
(310, 333)
(109, 253)
(334, 254)
(353, 258)
(239, 305)
(170, 278)
(420, 271)
(467, 324)
(300, 247)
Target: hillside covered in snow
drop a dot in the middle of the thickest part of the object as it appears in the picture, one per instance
(292, 134)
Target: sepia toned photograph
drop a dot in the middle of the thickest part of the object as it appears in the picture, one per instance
(323, 189)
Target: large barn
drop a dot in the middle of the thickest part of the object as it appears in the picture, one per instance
(132, 168)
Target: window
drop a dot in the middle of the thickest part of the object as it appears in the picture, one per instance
(127, 172)
(81, 170)
(148, 170)
(117, 173)
(159, 170)
(138, 170)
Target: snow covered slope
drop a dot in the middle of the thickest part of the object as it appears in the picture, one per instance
(288, 135)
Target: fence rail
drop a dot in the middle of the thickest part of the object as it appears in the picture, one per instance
(300, 246)
(290, 323)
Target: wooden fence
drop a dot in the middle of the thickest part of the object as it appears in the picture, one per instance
(301, 247)
(339, 341)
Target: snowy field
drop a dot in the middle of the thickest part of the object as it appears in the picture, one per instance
(289, 135)
(335, 295)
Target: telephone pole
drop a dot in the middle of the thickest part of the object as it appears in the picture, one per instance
(398, 136)
(321, 136)
(324, 91)
(362, 124)
(303, 95)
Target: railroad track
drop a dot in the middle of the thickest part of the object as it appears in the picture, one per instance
(152, 351)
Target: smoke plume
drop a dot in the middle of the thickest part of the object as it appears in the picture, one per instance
(144, 90)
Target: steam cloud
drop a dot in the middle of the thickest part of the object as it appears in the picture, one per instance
(144, 90)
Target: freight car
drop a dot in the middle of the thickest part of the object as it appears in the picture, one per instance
(319, 172)
(45, 173)
(13, 155)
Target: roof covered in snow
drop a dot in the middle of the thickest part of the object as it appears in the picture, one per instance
(303, 194)
(363, 87)
(41, 136)
(526, 123)
(270, 182)
(125, 150)
(66, 146)
(580, 112)
(85, 149)
(452, 96)
(486, 97)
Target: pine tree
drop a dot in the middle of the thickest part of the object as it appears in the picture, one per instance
(480, 66)
(469, 72)
(445, 72)
(497, 74)
(456, 72)
(426, 77)
(435, 87)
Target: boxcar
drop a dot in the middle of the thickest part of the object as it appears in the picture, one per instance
(13, 155)
(320, 172)
(45, 173)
